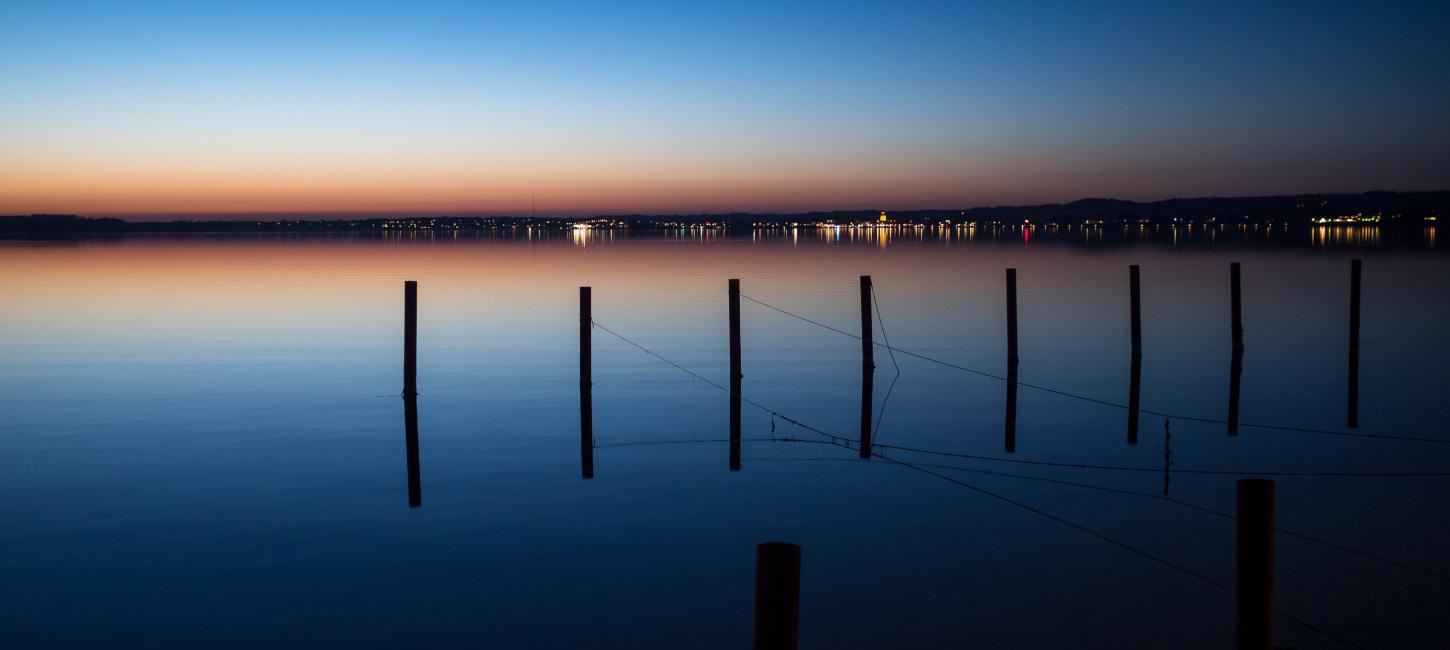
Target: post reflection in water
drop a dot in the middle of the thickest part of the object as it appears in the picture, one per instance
(868, 365)
(733, 291)
(586, 384)
(410, 425)
(1353, 398)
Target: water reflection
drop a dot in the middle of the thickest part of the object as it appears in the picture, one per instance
(868, 365)
(586, 383)
(1349, 236)
(249, 314)
(410, 427)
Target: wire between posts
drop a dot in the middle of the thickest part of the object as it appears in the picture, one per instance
(1094, 400)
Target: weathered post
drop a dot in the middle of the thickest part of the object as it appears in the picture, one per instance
(1236, 370)
(1011, 317)
(1136, 306)
(1010, 421)
(410, 338)
(1354, 275)
(586, 384)
(1136, 334)
(1255, 549)
(868, 366)
(777, 596)
(410, 428)
(1236, 291)
(735, 374)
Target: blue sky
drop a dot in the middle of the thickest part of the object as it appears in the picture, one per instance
(159, 107)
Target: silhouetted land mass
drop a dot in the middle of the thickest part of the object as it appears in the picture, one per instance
(1387, 208)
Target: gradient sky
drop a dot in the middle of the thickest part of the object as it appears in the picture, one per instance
(202, 108)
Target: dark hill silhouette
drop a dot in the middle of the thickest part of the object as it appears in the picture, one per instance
(1298, 208)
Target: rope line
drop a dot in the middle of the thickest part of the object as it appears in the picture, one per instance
(1103, 402)
(843, 442)
(1140, 468)
(886, 337)
(848, 442)
(1120, 544)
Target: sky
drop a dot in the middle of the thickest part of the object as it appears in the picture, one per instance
(197, 109)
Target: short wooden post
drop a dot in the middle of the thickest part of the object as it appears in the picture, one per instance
(586, 384)
(1354, 277)
(777, 596)
(1136, 334)
(410, 338)
(735, 374)
(410, 429)
(868, 366)
(1255, 549)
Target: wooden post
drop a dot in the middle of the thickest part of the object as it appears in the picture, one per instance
(1236, 369)
(735, 374)
(410, 428)
(1136, 302)
(777, 596)
(1136, 333)
(1009, 443)
(868, 366)
(1236, 289)
(1354, 276)
(868, 350)
(1255, 548)
(586, 384)
(410, 338)
(1011, 317)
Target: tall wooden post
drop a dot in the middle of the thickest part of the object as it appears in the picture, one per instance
(1136, 333)
(1011, 317)
(868, 366)
(586, 384)
(777, 596)
(1136, 307)
(410, 338)
(1236, 369)
(1236, 289)
(1354, 276)
(1255, 549)
(1009, 443)
(735, 374)
(410, 429)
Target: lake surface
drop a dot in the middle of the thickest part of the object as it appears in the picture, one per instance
(202, 442)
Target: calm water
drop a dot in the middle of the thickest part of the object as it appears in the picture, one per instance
(202, 443)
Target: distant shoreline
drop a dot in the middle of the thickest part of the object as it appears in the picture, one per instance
(1384, 208)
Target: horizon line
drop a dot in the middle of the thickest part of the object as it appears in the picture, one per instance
(328, 215)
